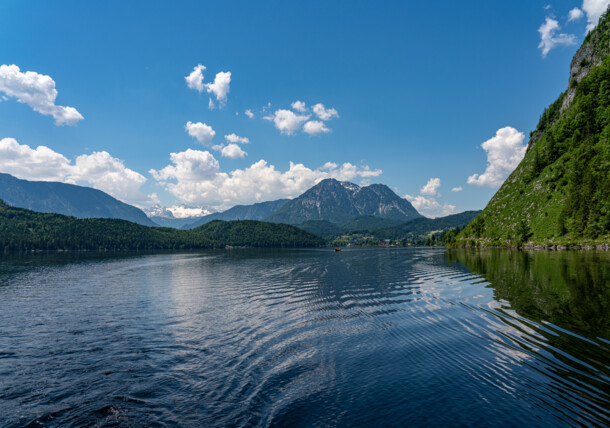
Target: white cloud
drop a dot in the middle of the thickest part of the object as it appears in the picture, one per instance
(220, 87)
(324, 113)
(431, 188)
(575, 14)
(287, 121)
(195, 177)
(315, 127)
(299, 106)
(180, 211)
(232, 151)
(249, 114)
(38, 91)
(594, 10)
(195, 79)
(234, 138)
(504, 152)
(549, 39)
(99, 170)
(201, 132)
(457, 189)
(430, 207)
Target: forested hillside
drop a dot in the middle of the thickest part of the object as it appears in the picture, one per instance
(560, 192)
(25, 230)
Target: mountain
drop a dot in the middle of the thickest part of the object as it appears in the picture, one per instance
(241, 212)
(25, 230)
(339, 202)
(560, 192)
(381, 228)
(424, 226)
(67, 199)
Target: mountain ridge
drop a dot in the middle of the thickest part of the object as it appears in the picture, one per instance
(67, 199)
(340, 201)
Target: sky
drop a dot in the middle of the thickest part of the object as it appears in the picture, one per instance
(200, 106)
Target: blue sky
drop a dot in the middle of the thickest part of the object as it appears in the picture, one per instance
(417, 88)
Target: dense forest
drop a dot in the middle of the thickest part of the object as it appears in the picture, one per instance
(25, 230)
(560, 193)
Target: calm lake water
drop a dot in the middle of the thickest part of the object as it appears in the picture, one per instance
(380, 337)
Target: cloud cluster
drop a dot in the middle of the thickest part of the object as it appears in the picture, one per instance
(504, 152)
(575, 14)
(286, 121)
(431, 187)
(99, 170)
(38, 91)
(234, 138)
(430, 207)
(291, 121)
(194, 177)
(232, 151)
(219, 87)
(594, 9)
(549, 39)
(249, 114)
(425, 203)
(201, 132)
(324, 113)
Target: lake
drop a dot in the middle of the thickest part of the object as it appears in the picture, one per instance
(363, 337)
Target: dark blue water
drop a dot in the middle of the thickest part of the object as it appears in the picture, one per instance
(382, 337)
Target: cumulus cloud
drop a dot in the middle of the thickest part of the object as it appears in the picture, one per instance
(504, 152)
(234, 138)
(38, 91)
(430, 207)
(201, 132)
(180, 211)
(315, 127)
(549, 39)
(195, 177)
(249, 114)
(431, 188)
(575, 14)
(594, 10)
(324, 113)
(457, 189)
(195, 79)
(219, 87)
(426, 202)
(287, 121)
(298, 106)
(232, 151)
(99, 170)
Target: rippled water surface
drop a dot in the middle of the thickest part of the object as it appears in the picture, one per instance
(389, 337)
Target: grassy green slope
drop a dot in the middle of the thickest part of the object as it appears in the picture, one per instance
(25, 230)
(560, 192)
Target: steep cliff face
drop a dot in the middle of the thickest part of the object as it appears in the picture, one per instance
(560, 192)
(590, 55)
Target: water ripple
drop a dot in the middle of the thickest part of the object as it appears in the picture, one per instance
(306, 338)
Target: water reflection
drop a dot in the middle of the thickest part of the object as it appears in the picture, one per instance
(394, 337)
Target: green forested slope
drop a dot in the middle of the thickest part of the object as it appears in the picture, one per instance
(560, 192)
(25, 230)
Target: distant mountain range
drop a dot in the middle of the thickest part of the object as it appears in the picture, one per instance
(258, 211)
(340, 201)
(388, 229)
(67, 199)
